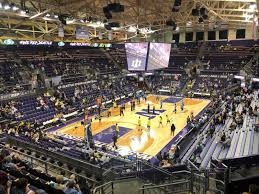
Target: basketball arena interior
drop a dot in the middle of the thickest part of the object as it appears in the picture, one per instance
(129, 96)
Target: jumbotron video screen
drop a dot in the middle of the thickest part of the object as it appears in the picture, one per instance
(159, 54)
(136, 56)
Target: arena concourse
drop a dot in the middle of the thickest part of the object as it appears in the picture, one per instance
(129, 96)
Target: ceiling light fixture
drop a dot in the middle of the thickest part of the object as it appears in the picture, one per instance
(15, 8)
(6, 7)
(252, 6)
(22, 12)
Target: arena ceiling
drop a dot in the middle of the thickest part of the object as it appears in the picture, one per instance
(39, 19)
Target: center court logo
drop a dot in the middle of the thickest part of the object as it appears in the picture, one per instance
(136, 63)
(144, 112)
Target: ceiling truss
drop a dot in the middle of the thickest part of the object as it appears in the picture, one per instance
(150, 14)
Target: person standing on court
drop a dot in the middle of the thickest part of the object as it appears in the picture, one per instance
(182, 105)
(139, 123)
(153, 109)
(174, 108)
(114, 139)
(117, 130)
(172, 129)
(167, 120)
(148, 126)
(160, 121)
(148, 108)
(161, 104)
(121, 111)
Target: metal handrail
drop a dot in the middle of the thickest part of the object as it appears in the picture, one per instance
(217, 180)
(47, 163)
(37, 150)
(193, 165)
(155, 167)
(103, 185)
(164, 185)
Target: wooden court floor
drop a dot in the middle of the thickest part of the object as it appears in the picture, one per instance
(140, 140)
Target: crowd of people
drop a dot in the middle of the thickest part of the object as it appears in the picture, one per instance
(16, 172)
(233, 109)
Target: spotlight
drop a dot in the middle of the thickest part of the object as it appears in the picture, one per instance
(252, 6)
(6, 7)
(203, 11)
(177, 5)
(107, 13)
(22, 12)
(56, 16)
(195, 12)
(62, 19)
(114, 24)
(15, 8)
(47, 15)
(205, 17)
(115, 7)
(171, 23)
(107, 27)
(175, 10)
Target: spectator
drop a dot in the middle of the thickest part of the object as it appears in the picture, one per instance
(253, 189)
(40, 191)
(59, 183)
(4, 186)
(72, 188)
(21, 187)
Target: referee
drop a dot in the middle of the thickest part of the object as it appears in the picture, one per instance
(148, 125)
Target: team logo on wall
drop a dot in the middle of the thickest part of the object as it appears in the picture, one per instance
(136, 63)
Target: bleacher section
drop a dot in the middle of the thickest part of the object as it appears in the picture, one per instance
(240, 140)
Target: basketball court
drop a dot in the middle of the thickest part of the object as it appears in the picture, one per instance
(139, 139)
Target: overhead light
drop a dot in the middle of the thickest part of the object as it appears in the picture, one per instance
(98, 22)
(189, 23)
(132, 29)
(70, 21)
(46, 18)
(47, 15)
(56, 16)
(6, 7)
(145, 31)
(82, 20)
(115, 28)
(252, 6)
(15, 8)
(22, 12)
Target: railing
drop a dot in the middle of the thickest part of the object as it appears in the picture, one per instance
(198, 181)
(176, 188)
(80, 164)
(106, 188)
(18, 94)
(46, 166)
(247, 68)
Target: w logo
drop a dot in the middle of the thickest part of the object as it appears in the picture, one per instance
(136, 63)
(150, 115)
